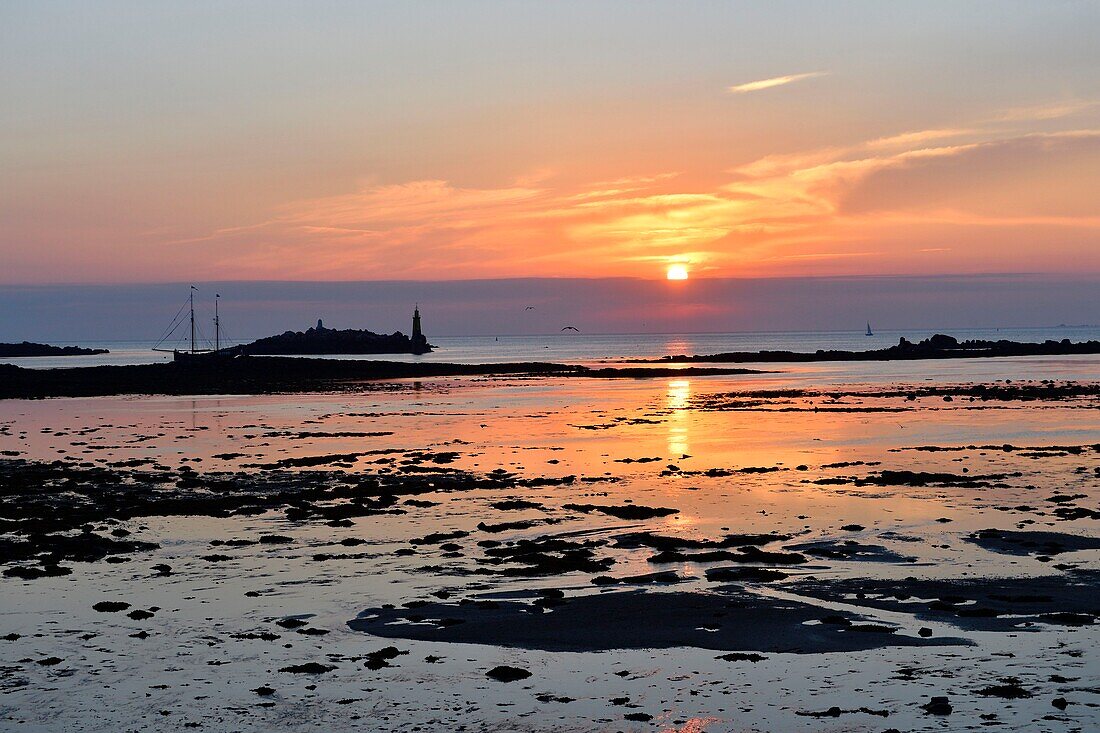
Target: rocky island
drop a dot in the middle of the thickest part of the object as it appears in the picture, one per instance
(28, 348)
(320, 340)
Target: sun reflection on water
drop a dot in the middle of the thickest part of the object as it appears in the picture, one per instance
(677, 399)
(693, 725)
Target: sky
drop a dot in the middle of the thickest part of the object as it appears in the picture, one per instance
(543, 306)
(417, 141)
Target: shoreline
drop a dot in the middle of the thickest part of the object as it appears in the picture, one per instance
(276, 374)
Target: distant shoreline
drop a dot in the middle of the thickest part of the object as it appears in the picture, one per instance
(936, 347)
(29, 349)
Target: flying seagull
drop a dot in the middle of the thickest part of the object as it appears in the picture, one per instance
(571, 328)
(529, 308)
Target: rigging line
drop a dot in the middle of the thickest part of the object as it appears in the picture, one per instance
(171, 326)
(181, 340)
(172, 329)
(201, 337)
(170, 333)
(177, 343)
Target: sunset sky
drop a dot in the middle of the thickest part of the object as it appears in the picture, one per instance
(152, 142)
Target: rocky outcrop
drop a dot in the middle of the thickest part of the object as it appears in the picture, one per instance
(321, 340)
(28, 348)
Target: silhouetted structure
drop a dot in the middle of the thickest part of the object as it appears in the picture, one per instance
(420, 344)
(323, 340)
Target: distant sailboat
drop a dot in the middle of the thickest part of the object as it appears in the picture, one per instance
(869, 329)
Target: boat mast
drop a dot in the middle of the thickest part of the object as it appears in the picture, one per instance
(192, 301)
(217, 333)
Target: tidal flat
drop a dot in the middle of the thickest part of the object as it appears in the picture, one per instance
(814, 550)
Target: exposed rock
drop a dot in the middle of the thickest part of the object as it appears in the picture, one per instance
(309, 668)
(382, 657)
(743, 575)
(624, 511)
(741, 657)
(504, 673)
(1009, 689)
(110, 606)
(937, 706)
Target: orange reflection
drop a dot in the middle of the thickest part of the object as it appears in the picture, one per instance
(693, 725)
(679, 394)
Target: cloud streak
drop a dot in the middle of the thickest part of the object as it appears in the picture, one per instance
(775, 81)
(1050, 111)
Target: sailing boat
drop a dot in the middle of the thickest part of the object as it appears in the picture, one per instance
(869, 329)
(194, 352)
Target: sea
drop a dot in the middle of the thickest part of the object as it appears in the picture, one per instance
(582, 348)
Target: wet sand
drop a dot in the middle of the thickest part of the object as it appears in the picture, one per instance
(487, 553)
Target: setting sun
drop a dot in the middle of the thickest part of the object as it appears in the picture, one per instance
(677, 272)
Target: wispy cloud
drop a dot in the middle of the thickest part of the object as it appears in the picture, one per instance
(1049, 111)
(775, 81)
(920, 137)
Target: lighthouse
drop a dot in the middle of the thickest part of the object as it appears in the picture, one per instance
(419, 343)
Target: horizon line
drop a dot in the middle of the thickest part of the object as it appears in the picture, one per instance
(548, 278)
(940, 329)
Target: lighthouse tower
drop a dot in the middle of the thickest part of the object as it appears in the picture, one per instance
(419, 343)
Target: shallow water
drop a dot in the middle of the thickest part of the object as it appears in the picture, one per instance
(191, 669)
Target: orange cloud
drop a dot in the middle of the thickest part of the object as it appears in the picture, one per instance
(889, 204)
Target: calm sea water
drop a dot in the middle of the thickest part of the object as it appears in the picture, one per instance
(591, 348)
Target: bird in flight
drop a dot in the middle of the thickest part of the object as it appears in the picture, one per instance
(571, 328)
(529, 308)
